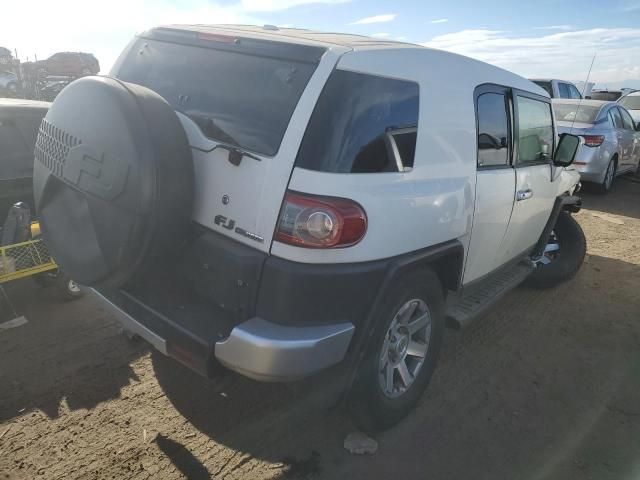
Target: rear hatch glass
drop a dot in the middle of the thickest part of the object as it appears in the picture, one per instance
(630, 102)
(566, 112)
(240, 92)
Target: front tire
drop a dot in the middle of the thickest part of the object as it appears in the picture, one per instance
(402, 352)
(563, 254)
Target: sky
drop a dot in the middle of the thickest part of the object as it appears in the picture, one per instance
(542, 38)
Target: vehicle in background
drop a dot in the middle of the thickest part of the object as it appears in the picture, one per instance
(6, 58)
(70, 64)
(8, 81)
(611, 142)
(558, 88)
(606, 95)
(632, 103)
(19, 123)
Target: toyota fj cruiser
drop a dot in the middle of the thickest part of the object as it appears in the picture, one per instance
(279, 201)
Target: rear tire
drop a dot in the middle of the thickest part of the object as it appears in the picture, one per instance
(563, 263)
(609, 176)
(374, 402)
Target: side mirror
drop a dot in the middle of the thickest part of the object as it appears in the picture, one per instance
(566, 150)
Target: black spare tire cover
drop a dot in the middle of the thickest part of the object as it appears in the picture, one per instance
(113, 180)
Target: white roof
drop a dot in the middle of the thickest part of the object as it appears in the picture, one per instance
(298, 35)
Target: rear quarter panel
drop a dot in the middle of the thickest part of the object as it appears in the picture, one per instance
(434, 202)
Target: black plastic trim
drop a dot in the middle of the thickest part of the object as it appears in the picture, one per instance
(571, 203)
(431, 256)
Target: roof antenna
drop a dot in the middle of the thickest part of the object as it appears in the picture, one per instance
(584, 89)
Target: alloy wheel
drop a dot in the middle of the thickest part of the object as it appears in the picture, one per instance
(405, 348)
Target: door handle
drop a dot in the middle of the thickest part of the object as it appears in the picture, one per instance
(524, 194)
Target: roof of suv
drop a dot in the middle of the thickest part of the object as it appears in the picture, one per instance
(296, 35)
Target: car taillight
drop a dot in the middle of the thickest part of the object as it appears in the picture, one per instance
(593, 140)
(320, 222)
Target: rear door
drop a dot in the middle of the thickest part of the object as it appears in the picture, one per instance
(535, 191)
(239, 95)
(629, 140)
(495, 182)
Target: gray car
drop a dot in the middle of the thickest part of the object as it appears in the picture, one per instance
(8, 81)
(610, 138)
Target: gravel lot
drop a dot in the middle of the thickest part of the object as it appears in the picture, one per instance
(547, 385)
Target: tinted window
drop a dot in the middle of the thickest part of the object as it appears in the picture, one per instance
(546, 86)
(627, 120)
(16, 158)
(606, 96)
(563, 88)
(574, 112)
(535, 130)
(235, 97)
(573, 92)
(493, 130)
(356, 122)
(617, 119)
(631, 102)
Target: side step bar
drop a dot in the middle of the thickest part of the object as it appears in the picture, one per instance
(474, 300)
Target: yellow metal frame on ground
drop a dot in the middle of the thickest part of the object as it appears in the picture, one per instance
(24, 259)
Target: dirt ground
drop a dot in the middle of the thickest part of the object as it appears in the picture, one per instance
(546, 386)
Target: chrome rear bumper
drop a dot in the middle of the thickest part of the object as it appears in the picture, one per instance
(269, 352)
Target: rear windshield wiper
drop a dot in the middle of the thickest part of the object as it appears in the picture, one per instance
(236, 154)
(228, 143)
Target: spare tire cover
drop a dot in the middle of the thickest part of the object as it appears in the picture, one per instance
(113, 180)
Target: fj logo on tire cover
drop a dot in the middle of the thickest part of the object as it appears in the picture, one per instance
(97, 173)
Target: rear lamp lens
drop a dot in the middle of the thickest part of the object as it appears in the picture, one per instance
(320, 222)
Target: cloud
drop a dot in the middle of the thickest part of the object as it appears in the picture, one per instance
(562, 55)
(381, 35)
(375, 19)
(440, 20)
(275, 5)
(556, 27)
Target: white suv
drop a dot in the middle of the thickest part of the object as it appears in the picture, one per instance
(281, 201)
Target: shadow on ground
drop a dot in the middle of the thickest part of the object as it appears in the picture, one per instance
(624, 198)
(66, 353)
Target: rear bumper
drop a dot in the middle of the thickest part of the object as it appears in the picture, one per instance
(269, 352)
(256, 348)
(592, 163)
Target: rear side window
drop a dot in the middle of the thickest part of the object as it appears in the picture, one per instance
(617, 119)
(362, 124)
(234, 96)
(535, 130)
(626, 119)
(573, 91)
(563, 88)
(493, 130)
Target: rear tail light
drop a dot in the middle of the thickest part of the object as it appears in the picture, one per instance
(593, 140)
(320, 222)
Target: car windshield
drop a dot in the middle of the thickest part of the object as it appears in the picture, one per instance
(630, 102)
(574, 112)
(235, 97)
